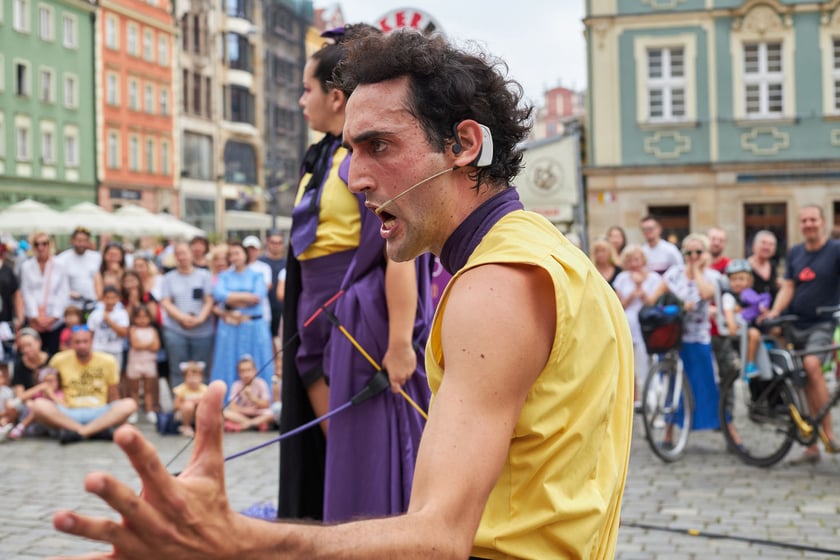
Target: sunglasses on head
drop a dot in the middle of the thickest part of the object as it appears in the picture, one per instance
(80, 328)
(695, 252)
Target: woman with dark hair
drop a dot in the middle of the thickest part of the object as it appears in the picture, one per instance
(617, 238)
(336, 248)
(111, 270)
(242, 330)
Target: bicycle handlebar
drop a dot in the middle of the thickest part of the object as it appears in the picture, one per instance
(780, 320)
(833, 310)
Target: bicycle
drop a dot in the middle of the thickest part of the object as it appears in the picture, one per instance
(766, 413)
(667, 402)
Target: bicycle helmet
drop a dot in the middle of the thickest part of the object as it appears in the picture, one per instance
(738, 265)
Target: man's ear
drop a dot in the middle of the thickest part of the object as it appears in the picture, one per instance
(470, 142)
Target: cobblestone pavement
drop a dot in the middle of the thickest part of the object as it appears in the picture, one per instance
(708, 491)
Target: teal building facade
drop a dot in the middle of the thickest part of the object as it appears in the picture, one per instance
(713, 113)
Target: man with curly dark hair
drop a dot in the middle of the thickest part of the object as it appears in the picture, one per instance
(529, 358)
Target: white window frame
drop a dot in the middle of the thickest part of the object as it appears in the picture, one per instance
(23, 124)
(71, 91)
(113, 150)
(71, 146)
(20, 16)
(163, 101)
(27, 83)
(148, 44)
(47, 34)
(641, 46)
(149, 155)
(2, 136)
(112, 89)
(149, 98)
(763, 24)
(50, 93)
(134, 94)
(112, 32)
(70, 31)
(764, 79)
(165, 160)
(132, 34)
(134, 153)
(48, 155)
(163, 49)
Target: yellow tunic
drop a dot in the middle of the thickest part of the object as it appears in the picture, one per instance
(559, 494)
(86, 385)
(339, 223)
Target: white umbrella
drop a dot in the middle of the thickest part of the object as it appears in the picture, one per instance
(28, 216)
(139, 221)
(95, 218)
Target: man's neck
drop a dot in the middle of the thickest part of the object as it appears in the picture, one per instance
(654, 243)
(186, 269)
(84, 360)
(816, 244)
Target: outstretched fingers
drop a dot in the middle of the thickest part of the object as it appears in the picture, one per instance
(139, 519)
(208, 456)
(158, 484)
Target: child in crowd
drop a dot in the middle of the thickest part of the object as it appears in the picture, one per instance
(48, 387)
(251, 400)
(6, 398)
(143, 344)
(751, 305)
(109, 323)
(188, 394)
(72, 317)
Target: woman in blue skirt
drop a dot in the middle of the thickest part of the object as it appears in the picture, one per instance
(242, 330)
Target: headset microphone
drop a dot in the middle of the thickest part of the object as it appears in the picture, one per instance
(484, 159)
(381, 209)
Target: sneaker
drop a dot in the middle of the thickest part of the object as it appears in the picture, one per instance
(232, 426)
(69, 436)
(17, 432)
(807, 458)
(151, 418)
(104, 435)
(750, 371)
(133, 418)
(4, 431)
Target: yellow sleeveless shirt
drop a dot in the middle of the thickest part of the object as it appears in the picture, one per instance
(559, 494)
(339, 222)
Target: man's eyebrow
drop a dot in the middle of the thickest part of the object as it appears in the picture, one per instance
(365, 136)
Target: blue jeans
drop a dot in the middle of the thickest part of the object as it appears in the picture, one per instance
(182, 348)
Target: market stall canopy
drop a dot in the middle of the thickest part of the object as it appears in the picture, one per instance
(29, 216)
(94, 218)
(140, 222)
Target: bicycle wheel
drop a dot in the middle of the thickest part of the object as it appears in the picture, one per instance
(755, 419)
(667, 407)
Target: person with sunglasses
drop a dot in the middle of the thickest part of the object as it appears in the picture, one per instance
(694, 283)
(45, 288)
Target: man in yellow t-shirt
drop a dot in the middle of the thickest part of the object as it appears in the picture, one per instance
(90, 382)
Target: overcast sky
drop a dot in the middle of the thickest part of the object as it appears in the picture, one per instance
(541, 40)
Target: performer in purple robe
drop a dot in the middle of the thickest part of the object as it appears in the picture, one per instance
(365, 464)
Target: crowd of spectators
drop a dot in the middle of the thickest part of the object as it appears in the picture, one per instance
(94, 338)
(700, 274)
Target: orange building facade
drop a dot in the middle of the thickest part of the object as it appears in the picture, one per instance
(136, 95)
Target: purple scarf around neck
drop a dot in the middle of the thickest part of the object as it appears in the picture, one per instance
(469, 234)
